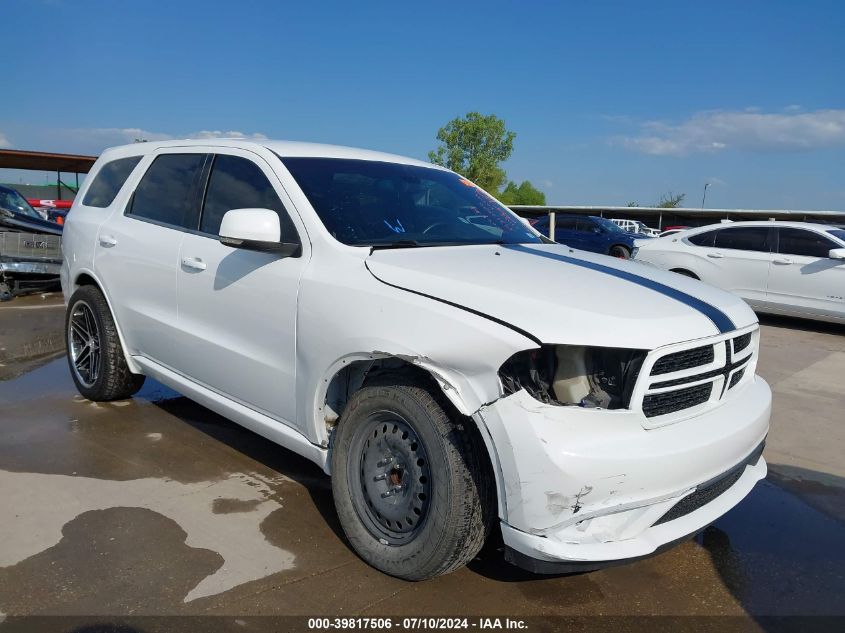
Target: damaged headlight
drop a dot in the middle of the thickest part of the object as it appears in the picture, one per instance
(574, 375)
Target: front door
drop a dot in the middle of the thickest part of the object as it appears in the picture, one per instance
(803, 279)
(238, 307)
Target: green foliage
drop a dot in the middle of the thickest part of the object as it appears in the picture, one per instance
(525, 193)
(474, 146)
(670, 200)
(633, 204)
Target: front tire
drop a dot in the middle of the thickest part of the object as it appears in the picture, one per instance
(411, 485)
(95, 356)
(619, 251)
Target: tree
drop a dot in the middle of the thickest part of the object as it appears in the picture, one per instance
(670, 200)
(525, 193)
(474, 146)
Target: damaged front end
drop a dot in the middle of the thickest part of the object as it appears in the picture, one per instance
(574, 375)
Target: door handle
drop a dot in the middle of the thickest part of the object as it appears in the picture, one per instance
(194, 263)
(108, 241)
(782, 261)
(715, 255)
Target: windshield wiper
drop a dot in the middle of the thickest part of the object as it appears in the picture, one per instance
(396, 244)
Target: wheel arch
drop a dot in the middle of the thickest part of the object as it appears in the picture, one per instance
(86, 277)
(350, 373)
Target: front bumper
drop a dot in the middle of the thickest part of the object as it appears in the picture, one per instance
(582, 488)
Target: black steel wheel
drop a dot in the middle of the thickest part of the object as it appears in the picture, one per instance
(411, 482)
(390, 480)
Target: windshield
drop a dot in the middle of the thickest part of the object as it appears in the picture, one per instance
(369, 203)
(11, 200)
(607, 225)
(840, 233)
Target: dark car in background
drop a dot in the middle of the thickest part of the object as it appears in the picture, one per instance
(591, 233)
(30, 247)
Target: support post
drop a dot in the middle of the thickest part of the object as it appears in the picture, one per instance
(552, 226)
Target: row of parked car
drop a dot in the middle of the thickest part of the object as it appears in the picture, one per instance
(788, 268)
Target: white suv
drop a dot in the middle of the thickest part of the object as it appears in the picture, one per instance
(450, 368)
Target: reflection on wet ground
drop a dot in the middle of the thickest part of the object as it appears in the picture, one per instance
(197, 515)
(158, 506)
(30, 333)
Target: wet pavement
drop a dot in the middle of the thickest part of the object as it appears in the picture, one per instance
(157, 506)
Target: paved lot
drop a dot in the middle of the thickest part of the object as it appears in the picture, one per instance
(157, 506)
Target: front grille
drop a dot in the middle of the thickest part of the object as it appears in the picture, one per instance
(668, 402)
(736, 378)
(741, 342)
(686, 359)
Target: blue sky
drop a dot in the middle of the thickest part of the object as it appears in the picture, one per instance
(611, 101)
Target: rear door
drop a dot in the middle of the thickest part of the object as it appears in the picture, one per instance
(237, 307)
(803, 279)
(137, 253)
(738, 260)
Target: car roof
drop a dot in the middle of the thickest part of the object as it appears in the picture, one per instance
(780, 223)
(284, 149)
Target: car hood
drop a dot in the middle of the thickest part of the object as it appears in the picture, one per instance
(556, 294)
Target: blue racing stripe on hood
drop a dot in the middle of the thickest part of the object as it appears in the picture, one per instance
(719, 318)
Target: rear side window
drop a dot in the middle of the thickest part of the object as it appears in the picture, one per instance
(569, 224)
(806, 243)
(238, 183)
(108, 181)
(586, 225)
(744, 238)
(168, 191)
(703, 239)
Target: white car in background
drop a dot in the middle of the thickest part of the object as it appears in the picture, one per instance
(789, 268)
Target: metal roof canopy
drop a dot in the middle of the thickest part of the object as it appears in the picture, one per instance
(677, 214)
(46, 161)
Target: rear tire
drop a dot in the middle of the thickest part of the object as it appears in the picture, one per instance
(95, 356)
(412, 486)
(619, 251)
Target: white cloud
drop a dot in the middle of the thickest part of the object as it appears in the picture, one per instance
(95, 140)
(4, 140)
(714, 131)
(256, 136)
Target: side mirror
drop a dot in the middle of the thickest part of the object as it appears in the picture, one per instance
(255, 229)
(836, 253)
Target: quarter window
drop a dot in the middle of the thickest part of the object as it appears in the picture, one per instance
(108, 181)
(744, 238)
(803, 242)
(167, 192)
(238, 183)
(703, 239)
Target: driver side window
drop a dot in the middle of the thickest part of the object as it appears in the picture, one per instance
(805, 243)
(238, 183)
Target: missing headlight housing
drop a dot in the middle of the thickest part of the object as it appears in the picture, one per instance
(574, 375)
